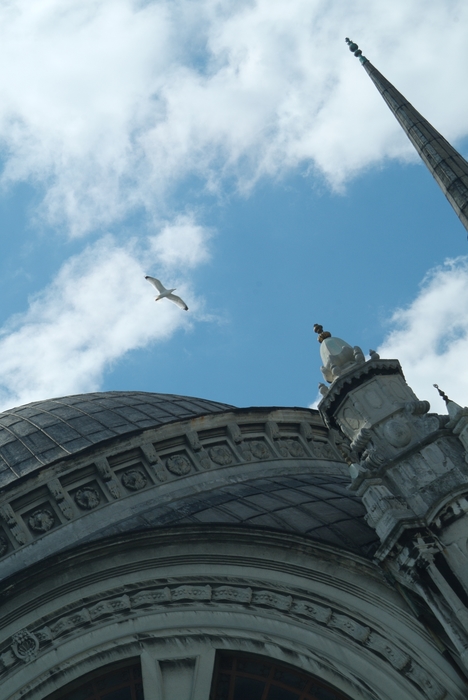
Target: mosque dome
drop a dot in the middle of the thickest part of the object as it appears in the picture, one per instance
(37, 434)
(153, 539)
(129, 443)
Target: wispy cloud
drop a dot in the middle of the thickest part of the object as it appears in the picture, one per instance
(98, 307)
(430, 336)
(107, 104)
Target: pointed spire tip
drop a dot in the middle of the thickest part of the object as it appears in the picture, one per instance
(356, 50)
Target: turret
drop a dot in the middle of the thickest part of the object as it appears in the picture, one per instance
(410, 468)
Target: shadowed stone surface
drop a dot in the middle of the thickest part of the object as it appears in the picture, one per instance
(318, 506)
(37, 434)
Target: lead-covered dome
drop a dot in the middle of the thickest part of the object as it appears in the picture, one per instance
(37, 434)
(93, 466)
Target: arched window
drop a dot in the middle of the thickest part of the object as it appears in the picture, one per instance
(246, 677)
(122, 682)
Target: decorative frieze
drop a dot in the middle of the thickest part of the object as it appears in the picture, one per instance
(61, 498)
(107, 475)
(232, 594)
(221, 455)
(349, 627)
(134, 479)
(9, 517)
(178, 465)
(41, 520)
(154, 461)
(27, 644)
(87, 498)
(272, 600)
(194, 442)
(312, 610)
(151, 464)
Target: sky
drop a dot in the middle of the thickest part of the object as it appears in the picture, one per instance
(238, 152)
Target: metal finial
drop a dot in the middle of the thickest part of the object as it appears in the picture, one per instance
(442, 393)
(356, 50)
(321, 333)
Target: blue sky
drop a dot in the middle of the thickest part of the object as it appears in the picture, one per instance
(239, 152)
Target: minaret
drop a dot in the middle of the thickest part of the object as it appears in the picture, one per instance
(448, 167)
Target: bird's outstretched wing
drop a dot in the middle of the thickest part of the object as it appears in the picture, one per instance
(156, 283)
(177, 300)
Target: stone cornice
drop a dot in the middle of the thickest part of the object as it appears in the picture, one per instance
(208, 594)
(71, 491)
(338, 391)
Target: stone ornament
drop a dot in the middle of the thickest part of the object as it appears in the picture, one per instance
(8, 515)
(41, 520)
(87, 498)
(282, 449)
(322, 450)
(221, 455)
(25, 646)
(204, 458)
(295, 448)
(350, 627)
(178, 465)
(134, 479)
(259, 449)
(60, 497)
(3, 545)
(397, 433)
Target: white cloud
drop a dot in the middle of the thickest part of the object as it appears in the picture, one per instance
(182, 243)
(107, 104)
(97, 308)
(430, 336)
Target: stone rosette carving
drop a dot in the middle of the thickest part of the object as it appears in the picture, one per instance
(41, 520)
(294, 448)
(87, 498)
(25, 645)
(178, 465)
(134, 479)
(322, 450)
(3, 545)
(221, 455)
(259, 449)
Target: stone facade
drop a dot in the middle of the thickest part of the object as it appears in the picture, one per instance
(410, 469)
(231, 530)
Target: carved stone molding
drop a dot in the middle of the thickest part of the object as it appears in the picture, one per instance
(178, 465)
(87, 498)
(221, 455)
(41, 520)
(8, 515)
(134, 479)
(26, 645)
(121, 472)
(59, 495)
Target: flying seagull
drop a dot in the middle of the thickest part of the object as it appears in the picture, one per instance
(166, 293)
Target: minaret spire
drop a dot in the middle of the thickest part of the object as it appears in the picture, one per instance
(447, 166)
